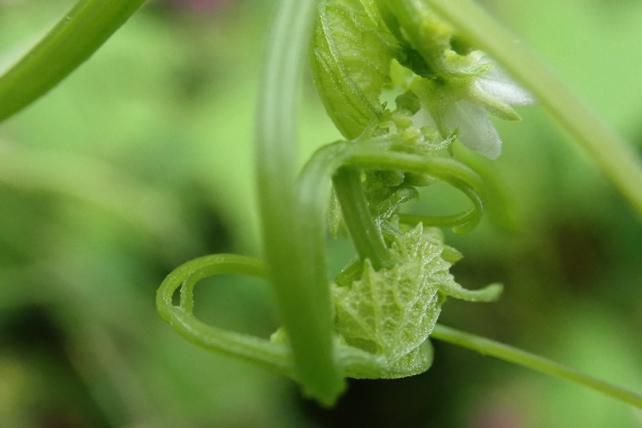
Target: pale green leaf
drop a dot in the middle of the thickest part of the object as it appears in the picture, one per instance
(351, 56)
(390, 313)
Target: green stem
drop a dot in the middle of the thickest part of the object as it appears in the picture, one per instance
(301, 288)
(356, 214)
(76, 36)
(314, 193)
(533, 362)
(449, 170)
(616, 158)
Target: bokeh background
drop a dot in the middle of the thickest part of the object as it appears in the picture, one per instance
(143, 158)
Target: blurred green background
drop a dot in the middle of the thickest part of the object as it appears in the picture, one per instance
(143, 158)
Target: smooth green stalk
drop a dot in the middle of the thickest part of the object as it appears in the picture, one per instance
(301, 290)
(614, 156)
(72, 41)
(534, 362)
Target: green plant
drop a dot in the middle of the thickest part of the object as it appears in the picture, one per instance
(375, 318)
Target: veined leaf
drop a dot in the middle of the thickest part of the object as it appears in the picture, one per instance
(351, 55)
(391, 312)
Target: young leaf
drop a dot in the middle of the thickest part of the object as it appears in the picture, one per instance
(391, 312)
(351, 55)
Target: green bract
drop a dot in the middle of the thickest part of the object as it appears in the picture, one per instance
(351, 55)
(391, 312)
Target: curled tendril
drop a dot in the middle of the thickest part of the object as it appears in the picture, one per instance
(273, 355)
(183, 320)
(375, 154)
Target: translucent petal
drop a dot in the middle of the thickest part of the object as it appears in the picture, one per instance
(474, 128)
(497, 84)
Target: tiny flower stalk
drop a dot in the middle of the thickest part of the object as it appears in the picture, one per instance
(70, 43)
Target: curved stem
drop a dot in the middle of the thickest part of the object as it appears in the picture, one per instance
(300, 284)
(445, 169)
(533, 362)
(614, 156)
(181, 318)
(314, 191)
(76, 36)
(438, 221)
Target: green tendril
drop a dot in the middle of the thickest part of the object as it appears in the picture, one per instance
(332, 161)
(182, 319)
(72, 41)
(446, 169)
(534, 362)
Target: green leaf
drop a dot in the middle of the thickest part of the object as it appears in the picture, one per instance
(391, 312)
(351, 55)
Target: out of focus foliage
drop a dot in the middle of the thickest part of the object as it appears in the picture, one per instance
(143, 159)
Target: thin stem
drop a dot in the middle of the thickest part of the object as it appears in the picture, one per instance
(449, 170)
(72, 41)
(534, 362)
(356, 214)
(614, 156)
(300, 284)
(438, 221)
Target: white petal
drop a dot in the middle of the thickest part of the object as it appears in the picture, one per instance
(497, 84)
(474, 128)
(506, 91)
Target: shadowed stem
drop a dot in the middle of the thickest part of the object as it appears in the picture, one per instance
(301, 288)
